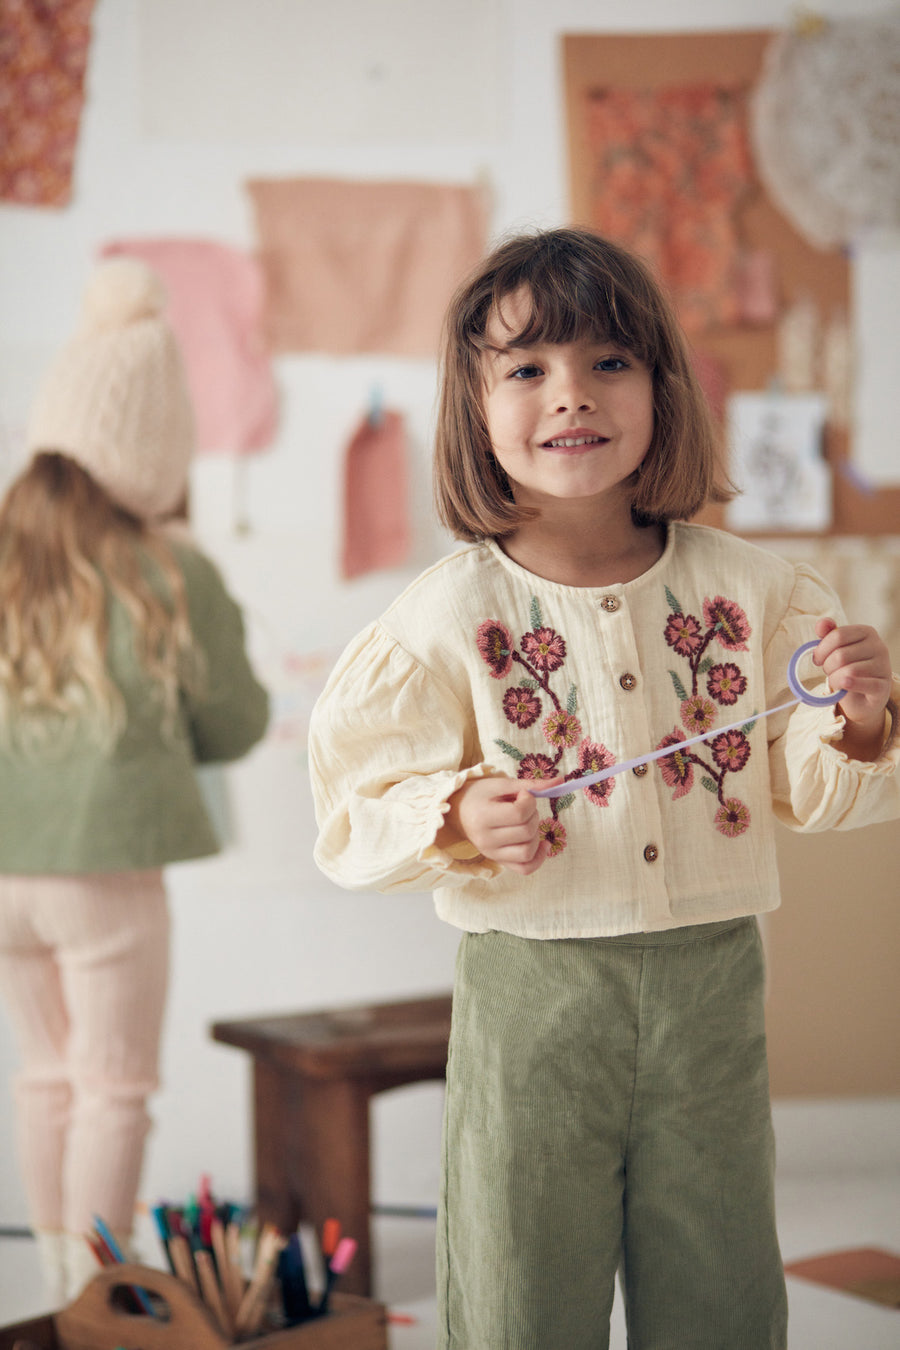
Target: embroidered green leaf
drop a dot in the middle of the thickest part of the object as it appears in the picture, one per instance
(709, 785)
(510, 750)
(562, 803)
(676, 608)
(679, 687)
(536, 620)
(572, 701)
(706, 664)
(527, 682)
(748, 726)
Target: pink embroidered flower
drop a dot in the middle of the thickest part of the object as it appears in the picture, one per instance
(521, 707)
(726, 683)
(544, 648)
(731, 750)
(554, 834)
(698, 714)
(536, 766)
(729, 621)
(683, 633)
(561, 728)
(496, 646)
(592, 758)
(732, 818)
(678, 769)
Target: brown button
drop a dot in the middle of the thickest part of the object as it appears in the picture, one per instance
(628, 681)
(609, 603)
(640, 769)
(651, 853)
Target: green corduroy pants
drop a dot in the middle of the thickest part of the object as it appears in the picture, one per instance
(608, 1110)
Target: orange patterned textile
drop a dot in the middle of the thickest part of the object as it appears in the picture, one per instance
(43, 56)
(670, 167)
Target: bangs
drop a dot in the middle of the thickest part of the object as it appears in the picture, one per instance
(570, 299)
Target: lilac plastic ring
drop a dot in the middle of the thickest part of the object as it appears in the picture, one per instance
(814, 700)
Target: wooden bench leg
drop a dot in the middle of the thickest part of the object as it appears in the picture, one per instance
(312, 1158)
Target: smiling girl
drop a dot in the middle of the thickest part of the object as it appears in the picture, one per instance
(607, 1090)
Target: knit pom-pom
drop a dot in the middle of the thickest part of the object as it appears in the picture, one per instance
(122, 291)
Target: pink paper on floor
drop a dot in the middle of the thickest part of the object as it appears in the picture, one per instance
(364, 267)
(43, 57)
(215, 307)
(376, 513)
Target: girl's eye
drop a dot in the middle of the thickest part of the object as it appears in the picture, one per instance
(612, 363)
(525, 372)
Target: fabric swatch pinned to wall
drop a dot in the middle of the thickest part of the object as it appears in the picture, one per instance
(364, 267)
(216, 306)
(43, 58)
(376, 511)
(670, 167)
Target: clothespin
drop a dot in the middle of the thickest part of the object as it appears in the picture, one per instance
(376, 405)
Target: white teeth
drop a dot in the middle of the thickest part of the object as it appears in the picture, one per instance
(569, 442)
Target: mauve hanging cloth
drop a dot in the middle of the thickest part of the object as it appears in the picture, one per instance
(376, 510)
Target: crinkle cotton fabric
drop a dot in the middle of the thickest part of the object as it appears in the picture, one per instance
(482, 667)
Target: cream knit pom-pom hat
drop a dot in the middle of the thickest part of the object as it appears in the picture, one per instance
(116, 399)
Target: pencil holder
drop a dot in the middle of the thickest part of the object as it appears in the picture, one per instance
(101, 1319)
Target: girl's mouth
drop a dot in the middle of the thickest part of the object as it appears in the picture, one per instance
(573, 442)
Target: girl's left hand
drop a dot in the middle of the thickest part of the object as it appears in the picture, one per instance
(855, 658)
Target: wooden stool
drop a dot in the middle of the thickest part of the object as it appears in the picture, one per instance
(314, 1074)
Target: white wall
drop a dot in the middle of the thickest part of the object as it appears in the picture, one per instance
(258, 929)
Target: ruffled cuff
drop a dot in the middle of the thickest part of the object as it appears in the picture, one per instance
(831, 729)
(461, 861)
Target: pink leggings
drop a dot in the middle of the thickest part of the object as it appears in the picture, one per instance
(84, 973)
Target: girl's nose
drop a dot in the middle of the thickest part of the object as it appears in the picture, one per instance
(571, 393)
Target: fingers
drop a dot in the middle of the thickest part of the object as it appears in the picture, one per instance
(855, 659)
(501, 818)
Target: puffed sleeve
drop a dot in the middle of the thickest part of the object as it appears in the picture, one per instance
(389, 743)
(815, 785)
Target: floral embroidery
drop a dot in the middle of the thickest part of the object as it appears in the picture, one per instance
(540, 654)
(495, 644)
(725, 623)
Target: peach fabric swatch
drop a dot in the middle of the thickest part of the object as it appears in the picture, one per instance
(670, 168)
(364, 267)
(376, 513)
(43, 57)
(867, 1272)
(215, 307)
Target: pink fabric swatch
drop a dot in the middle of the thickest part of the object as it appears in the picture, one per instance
(215, 307)
(43, 57)
(376, 514)
(364, 267)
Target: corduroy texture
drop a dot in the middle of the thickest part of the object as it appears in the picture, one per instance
(116, 399)
(83, 973)
(607, 1101)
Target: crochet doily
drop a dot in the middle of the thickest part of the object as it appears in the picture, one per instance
(825, 124)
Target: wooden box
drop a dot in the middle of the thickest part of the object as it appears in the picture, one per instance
(97, 1320)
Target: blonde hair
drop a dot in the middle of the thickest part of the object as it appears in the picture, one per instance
(579, 285)
(65, 549)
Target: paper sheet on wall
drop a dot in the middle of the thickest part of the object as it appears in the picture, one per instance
(775, 442)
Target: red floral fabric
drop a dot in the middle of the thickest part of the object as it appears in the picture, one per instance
(669, 169)
(43, 57)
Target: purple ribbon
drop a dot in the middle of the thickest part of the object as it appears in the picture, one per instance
(802, 696)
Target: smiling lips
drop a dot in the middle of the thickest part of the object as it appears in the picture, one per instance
(575, 440)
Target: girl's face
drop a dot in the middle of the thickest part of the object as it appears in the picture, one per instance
(566, 420)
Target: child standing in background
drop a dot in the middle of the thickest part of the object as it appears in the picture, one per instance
(122, 666)
(607, 1088)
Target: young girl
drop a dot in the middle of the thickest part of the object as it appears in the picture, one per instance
(122, 665)
(607, 1090)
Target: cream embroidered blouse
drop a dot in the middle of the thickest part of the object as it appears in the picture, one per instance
(481, 667)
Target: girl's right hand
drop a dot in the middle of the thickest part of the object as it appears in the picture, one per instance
(499, 816)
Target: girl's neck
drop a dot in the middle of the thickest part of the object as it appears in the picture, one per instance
(587, 550)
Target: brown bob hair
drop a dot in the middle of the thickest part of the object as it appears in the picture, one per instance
(581, 286)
